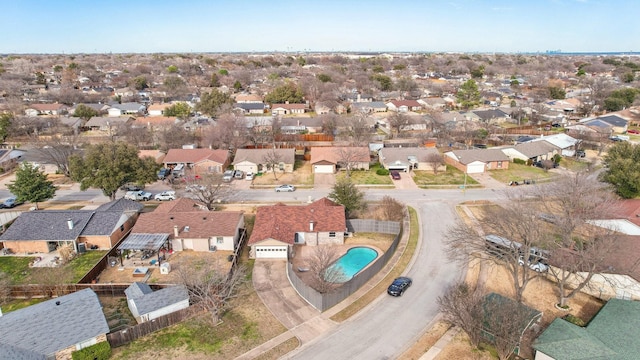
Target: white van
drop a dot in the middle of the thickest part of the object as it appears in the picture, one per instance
(178, 170)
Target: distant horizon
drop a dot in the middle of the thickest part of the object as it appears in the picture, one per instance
(289, 26)
(337, 52)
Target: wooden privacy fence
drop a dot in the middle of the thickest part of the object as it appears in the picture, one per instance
(125, 336)
(40, 291)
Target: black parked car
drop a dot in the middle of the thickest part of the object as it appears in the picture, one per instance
(398, 286)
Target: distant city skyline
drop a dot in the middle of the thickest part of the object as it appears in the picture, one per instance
(144, 26)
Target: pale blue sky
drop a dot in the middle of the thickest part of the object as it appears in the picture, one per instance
(122, 26)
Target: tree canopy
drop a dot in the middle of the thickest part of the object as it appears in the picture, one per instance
(109, 166)
(180, 109)
(210, 103)
(31, 185)
(620, 99)
(5, 124)
(345, 193)
(84, 112)
(468, 94)
(287, 92)
(622, 169)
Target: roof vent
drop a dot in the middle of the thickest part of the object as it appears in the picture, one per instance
(186, 228)
(70, 224)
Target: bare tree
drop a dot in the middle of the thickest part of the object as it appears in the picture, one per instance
(435, 161)
(324, 277)
(461, 306)
(392, 209)
(209, 189)
(57, 149)
(349, 157)
(579, 248)
(397, 121)
(5, 289)
(211, 286)
(359, 129)
(516, 231)
(174, 136)
(272, 160)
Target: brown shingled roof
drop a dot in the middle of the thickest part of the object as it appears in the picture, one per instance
(332, 154)
(281, 222)
(200, 224)
(194, 156)
(180, 205)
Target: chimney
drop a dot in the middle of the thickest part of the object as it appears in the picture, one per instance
(311, 225)
(70, 224)
(175, 230)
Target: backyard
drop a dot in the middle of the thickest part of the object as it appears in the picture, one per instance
(19, 271)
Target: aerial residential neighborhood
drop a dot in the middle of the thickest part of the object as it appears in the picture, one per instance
(181, 196)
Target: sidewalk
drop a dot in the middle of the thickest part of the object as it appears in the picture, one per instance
(303, 321)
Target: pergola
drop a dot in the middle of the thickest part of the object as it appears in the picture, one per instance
(143, 241)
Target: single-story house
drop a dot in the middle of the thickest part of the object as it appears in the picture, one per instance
(618, 123)
(404, 105)
(301, 124)
(278, 227)
(326, 160)
(408, 158)
(492, 115)
(53, 329)
(250, 107)
(286, 109)
(255, 160)
(612, 334)
(533, 150)
(44, 231)
(562, 141)
(201, 161)
(45, 109)
(130, 108)
(99, 107)
(192, 227)
(146, 304)
(157, 109)
(99, 123)
(477, 161)
(368, 107)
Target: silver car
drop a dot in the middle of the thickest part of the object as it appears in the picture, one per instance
(285, 188)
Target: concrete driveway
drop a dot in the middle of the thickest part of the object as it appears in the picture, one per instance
(405, 182)
(323, 181)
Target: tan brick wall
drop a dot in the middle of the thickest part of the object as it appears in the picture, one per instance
(21, 247)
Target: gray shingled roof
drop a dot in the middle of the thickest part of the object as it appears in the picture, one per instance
(103, 223)
(121, 204)
(483, 155)
(390, 155)
(257, 156)
(46, 328)
(137, 289)
(48, 225)
(159, 299)
(535, 148)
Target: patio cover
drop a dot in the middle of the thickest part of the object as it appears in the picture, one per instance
(144, 242)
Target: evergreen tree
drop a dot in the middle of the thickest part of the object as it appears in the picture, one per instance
(31, 185)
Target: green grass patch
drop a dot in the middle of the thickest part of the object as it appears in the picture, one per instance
(81, 264)
(20, 304)
(451, 176)
(368, 177)
(574, 164)
(519, 172)
(17, 268)
(280, 350)
(397, 270)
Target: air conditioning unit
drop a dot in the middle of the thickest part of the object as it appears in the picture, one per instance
(213, 248)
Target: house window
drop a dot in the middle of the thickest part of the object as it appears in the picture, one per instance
(219, 240)
(122, 227)
(499, 164)
(332, 234)
(281, 165)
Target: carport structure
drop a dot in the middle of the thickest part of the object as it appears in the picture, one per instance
(154, 243)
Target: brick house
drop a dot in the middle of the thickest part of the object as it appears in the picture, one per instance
(200, 161)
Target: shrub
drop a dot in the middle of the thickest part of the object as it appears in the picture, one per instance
(519, 161)
(574, 320)
(382, 171)
(99, 351)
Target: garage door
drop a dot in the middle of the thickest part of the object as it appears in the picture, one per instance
(247, 168)
(475, 168)
(323, 169)
(271, 252)
(398, 167)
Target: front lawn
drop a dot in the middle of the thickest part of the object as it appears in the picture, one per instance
(451, 176)
(368, 177)
(520, 172)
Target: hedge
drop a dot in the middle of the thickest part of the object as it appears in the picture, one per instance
(382, 171)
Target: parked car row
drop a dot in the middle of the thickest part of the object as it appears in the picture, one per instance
(142, 195)
(10, 203)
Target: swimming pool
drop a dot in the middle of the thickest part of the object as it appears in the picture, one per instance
(351, 263)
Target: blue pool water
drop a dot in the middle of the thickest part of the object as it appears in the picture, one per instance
(353, 261)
